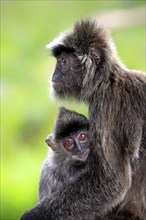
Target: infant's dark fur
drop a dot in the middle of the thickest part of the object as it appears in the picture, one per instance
(62, 167)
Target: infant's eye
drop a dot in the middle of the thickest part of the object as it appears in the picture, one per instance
(82, 137)
(69, 144)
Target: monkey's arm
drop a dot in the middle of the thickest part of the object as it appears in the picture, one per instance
(83, 199)
(45, 185)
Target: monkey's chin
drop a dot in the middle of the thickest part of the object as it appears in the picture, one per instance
(58, 89)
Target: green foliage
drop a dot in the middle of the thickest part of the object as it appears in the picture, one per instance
(27, 111)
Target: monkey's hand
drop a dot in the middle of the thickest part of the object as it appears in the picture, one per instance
(28, 215)
(36, 213)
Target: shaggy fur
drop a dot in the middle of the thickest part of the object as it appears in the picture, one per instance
(88, 69)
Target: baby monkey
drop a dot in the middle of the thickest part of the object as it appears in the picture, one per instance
(70, 148)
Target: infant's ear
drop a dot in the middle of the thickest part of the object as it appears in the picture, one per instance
(50, 141)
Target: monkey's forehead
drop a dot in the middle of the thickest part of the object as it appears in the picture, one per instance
(69, 129)
(69, 133)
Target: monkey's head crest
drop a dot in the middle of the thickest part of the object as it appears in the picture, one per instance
(86, 34)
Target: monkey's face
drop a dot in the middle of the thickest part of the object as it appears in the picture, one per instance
(81, 58)
(78, 146)
(75, 146)
(68, 76)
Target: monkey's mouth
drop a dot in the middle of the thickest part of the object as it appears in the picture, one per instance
(57, 86)
(54, 84)
(83, 156)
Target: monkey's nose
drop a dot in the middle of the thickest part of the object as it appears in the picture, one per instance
(47, 140)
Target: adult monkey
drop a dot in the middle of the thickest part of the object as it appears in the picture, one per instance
(88, 69)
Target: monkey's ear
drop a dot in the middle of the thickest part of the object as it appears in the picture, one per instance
(95, 54)
(50, 141)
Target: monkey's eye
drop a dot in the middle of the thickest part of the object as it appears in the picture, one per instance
(69, 144)
(82, 137)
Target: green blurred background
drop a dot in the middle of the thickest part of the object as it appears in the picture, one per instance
(27, 110)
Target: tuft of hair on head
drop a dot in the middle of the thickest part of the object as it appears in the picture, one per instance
(67, 116)
(63, 111)
(86, 34)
